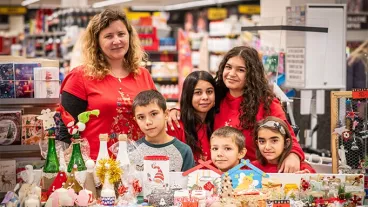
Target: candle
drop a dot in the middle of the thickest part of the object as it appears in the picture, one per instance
(32, 201)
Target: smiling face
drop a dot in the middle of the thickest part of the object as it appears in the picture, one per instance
(271, 144)
(224, 153)
(151, 119)
(203, 98)
(234, 75)
(114, 41)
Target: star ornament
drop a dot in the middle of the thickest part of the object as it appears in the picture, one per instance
(340, 130)
(351, 114)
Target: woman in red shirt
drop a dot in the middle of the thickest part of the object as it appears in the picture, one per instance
(109, 80)
(273, 143)
(244, 96)
(197, 114)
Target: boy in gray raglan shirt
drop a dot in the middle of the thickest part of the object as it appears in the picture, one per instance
(150, 113)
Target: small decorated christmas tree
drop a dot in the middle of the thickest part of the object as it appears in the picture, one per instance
(226, 187)
(72, 181)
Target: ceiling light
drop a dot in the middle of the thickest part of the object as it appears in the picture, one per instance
(28, 2)
(181, 5)
(108, 3)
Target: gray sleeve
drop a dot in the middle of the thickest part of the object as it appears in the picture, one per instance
(186, 154)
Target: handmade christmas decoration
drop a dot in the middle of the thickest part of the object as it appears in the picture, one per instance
(85, 198)
(227, 190)
(109, 177)
(89, 183)
(156, 173)
(246, 179)
(272, 188)
(122, 156)
(199, 179)
(58, 182)
(51, 167)
(29, 187)
(102, 154)
(161, 197)
(72, 182)
(32, 201)
(74, 130)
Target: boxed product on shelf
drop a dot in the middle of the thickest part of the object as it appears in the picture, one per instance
(10, 125)
(164, 69)
(24, 83)
(167, 44)
(46, 82)
(32, 130)
(7, 174)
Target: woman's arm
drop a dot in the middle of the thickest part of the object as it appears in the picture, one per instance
(74, 106)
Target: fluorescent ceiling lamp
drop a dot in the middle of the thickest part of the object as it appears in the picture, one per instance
(28, 2)
(108, 3)
(181, 5)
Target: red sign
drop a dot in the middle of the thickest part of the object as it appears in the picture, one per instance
(360, 93)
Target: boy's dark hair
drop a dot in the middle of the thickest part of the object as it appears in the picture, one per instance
(145, 98)
(230, 132)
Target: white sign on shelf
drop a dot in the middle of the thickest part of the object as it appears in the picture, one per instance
(295, 67)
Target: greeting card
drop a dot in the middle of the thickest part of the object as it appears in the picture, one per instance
(156, 173)
(6, 71)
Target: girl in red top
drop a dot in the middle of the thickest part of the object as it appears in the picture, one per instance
(273, 143)
(197, 113)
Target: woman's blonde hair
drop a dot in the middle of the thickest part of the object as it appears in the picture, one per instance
(360, 53)
(93, 57)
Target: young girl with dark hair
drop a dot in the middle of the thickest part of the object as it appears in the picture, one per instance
(197, 114)
(273, 144)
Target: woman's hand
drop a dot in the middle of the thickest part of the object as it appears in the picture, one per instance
(174, 116)
(305, 171)
(291, 164)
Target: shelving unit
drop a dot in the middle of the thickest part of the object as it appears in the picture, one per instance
(14, 151)
(38, 45)
(29, 101)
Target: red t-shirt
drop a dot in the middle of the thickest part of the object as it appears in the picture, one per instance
(203, 139)
(229, 116)
(114, 100)
(272, 168)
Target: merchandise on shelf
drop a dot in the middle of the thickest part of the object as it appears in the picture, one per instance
(10, 127)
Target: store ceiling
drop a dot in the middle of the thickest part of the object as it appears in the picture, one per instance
(90, 2)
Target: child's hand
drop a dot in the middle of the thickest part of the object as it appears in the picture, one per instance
(174, 116)
(305, 171)
(291, 164)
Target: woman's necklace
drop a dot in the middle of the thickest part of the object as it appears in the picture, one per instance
(115, 76)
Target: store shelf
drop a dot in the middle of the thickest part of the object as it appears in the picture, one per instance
(51, 34)
(13, 151)
(286, 27)
(166, 80)
(163, 52)
(29, 101)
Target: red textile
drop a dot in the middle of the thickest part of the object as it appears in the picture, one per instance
(272, 168)
(204, 142)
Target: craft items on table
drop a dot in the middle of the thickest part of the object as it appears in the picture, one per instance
(103, 153)
(204, 179)
(109, 172)
(122, 156)
(51, 167)
(89, 183)
(74, 129)
(29, 190)
(155, 174)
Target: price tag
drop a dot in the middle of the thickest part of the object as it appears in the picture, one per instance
(249, 9)
(360, 93)
(216, 13)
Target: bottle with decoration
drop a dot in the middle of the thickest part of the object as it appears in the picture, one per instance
(122, 156)
(103, 153)
(52, 161)
(76, 158)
